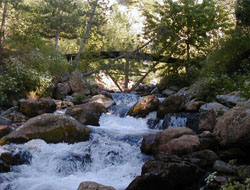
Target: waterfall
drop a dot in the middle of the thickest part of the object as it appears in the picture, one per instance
(111, 157)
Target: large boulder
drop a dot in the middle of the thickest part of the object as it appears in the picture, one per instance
(32, 108)
(78, 84)
(144, 106)
(171, 104)
(107, 102)
(179, 141)
(60, 91)
(233, 128)
(168, 172)
(181, 146)
(193, 106)
(51, 128)
(208, 115)
(88, 114)
(230, 100)
(189, 93)
(90, 185)
(172, 133)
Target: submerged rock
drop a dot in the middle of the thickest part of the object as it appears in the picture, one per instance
(144, 106)
(51, 128)
(90, 185)
(33, 108)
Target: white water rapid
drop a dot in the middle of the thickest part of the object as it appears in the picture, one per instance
(111, 157)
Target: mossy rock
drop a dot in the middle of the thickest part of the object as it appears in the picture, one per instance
(51, 128)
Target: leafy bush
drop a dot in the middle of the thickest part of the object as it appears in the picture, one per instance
(237, 185)
(79, 97)
(17, 80)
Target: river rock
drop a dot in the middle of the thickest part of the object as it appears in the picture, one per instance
(171, 104)
(207, 157)
(5, 130)
(107, 102)
(78, 84)
(32, 108)
(167, 172)
(208, 115)
(189, 93)
(168, 92)
(60, 91)
(90, 185)
(193, 106)
(51, 128)
(147, 146)
(17, 158)
(181, 146)
(230, 100)
(233, 128)
(224, 168)
(88, 114)
(172, 133)
(144, 106)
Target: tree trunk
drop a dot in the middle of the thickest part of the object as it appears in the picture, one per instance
(143, 77)
(113, 79)
(2, 30)
(58, 30)
(86, 35)
(126, 75)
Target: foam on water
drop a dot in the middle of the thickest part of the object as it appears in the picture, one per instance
(111, 157)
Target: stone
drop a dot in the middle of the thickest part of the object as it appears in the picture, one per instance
(78, 84)
(172, 133)
(144, 106)
(230, 100)
(107, 102)
(32, 108)
(193, 106)
(171, 104)
(155, 91)
(168, 92)
(181, 146)
(88, 114)
(147, 146)
(19, 158)
(189, 93)
(5, 130)
(60, 91)
(90, 185)
(167, 172)
(207, 156)
(233, 128)
(208, 115)
(224, 168)
(50, 128)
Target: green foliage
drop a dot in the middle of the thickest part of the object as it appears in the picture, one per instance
(17, 80)
(79, 97)
(242, 13)
(227, 69)
(237, 185)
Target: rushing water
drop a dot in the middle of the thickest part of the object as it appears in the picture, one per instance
(112, 156)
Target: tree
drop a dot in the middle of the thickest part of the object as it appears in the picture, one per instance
(243, 13)
(186, 28)
(57, 18)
